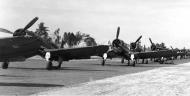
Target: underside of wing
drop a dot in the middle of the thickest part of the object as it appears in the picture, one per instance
(77, 53)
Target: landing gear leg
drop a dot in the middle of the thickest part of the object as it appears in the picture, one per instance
(5, 65)
(59, 62)
(146, 61)
(128, 62)
(161, 61)
(49, 65)
(103, 61)
(122, 60)
(59, 66)
(142, 61)
(134, 62)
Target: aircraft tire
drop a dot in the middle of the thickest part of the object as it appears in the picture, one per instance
(49, 65)
(5, 65)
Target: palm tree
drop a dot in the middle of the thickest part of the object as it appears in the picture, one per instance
(90, 41)
(57, 36)
(42, 31)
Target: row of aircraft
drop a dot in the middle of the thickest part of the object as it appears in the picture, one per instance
(25, 44)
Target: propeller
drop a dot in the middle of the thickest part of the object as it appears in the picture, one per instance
(171, 47)
(19, 32)
(133, 44)
(30, 23)
(138, 39)
(118, 31)
(116, 42)
(151, 41)
(5, 31)
(153, 46)
(23, 31)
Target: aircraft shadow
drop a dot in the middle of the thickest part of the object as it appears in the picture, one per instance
(26, 68)
(83, 69)
(12, 76)
(29, 84)
(63, 69)
(139, 65)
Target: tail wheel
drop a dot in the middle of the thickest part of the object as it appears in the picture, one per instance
(5, 65)
(49, 65)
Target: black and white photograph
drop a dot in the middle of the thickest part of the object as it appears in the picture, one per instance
(94, 48)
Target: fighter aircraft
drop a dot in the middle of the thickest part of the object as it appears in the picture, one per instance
(25, 44)
(163, 52)
(120, 48)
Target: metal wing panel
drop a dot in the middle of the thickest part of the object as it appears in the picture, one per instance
(78, 53)
(155, 54)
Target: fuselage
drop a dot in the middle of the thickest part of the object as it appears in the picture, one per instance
(18, 48)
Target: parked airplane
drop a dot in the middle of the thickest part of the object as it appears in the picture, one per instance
(25, 44)
(120, 49)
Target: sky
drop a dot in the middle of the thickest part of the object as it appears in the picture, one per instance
(165, 21)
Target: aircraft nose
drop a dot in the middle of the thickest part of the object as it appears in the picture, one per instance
(116, 42)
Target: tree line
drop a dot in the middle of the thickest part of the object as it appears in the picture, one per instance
(68, 39)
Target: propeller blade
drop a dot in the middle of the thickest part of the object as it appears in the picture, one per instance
(172, 47)
(118, 31)
(151, 41)
(5, 31)
(138, 39)
(30, 23)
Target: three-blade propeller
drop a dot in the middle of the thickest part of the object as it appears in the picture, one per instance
(23, 30)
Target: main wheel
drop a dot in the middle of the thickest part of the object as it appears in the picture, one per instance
(5, 65)
(49, 65)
